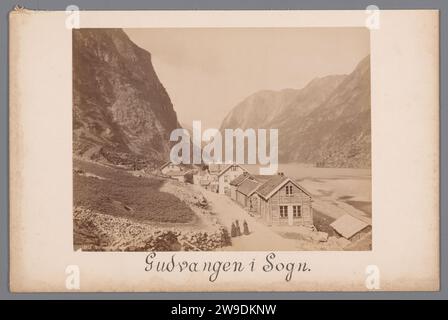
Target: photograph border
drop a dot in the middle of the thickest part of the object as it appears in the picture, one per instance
(134, 5)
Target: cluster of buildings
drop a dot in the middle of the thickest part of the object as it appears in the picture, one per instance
(277, 199)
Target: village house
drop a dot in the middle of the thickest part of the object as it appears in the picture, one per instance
(235, 183)
(352, 228)
(282, 201)
(222, 175)
(244, 192)
(252, 198)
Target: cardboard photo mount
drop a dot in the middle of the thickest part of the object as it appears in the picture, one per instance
(405, 163)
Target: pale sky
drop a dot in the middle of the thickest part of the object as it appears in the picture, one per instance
(209, 71)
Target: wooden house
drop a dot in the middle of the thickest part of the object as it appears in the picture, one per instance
(244, 191)
(222, 175)
(282, 201)
(235, 183)
(253, 199)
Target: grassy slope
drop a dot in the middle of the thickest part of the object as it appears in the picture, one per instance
(121, 194)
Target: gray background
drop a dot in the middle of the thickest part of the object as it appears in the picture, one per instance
(7, 5)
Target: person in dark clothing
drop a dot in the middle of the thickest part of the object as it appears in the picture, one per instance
(245, 228)
(233, 230)
(238, 229)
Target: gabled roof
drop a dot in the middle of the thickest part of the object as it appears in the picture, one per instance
(266, 188)
(228, 166)
(270, 187)
(240, 179)
(347, 225)
(248, 187)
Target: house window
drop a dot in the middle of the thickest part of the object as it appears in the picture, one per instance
(296, 211)
(283, 211)
(288, 190)
(233, 168)
(226, 179)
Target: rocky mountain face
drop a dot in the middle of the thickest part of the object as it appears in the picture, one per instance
(326, 123)
(121, 111)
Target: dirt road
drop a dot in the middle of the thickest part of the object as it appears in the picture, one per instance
(261, 237)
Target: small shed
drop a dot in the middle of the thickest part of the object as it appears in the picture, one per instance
(235, 183)
(245, 190)
(350, 227)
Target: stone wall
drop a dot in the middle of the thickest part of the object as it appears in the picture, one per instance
(98, 232)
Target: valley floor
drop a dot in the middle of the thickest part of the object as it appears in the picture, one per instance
(119, 211)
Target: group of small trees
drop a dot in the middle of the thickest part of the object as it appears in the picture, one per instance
(235, 230)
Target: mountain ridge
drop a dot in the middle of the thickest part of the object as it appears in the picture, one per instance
(121, 111)
(326, 123)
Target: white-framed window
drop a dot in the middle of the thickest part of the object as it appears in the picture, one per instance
(289, 190)
(296, 211)
(283, 211)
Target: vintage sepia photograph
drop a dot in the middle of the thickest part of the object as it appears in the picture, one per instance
(156, 110)
(223, 151)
